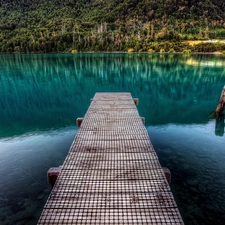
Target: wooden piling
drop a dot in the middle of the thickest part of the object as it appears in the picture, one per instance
(136, 101)
(79, 121)
(53, 174)
(221, 106)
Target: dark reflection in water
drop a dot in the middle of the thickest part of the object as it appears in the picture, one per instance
(42, 95)
(219, 130)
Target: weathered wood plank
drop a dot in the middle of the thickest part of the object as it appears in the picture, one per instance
(104, 136)
(112, 146)
(106, 186)
(113, 175)
(119, 165)
(111, 156)
(112, 123)
(114, 102)
(126, 174)
(117, 113)
(74, 200)
(111, 216)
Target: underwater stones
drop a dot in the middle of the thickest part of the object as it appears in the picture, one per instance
(220, 199)
(16, 208)
(210, 207)
(198, 215)
(26, 202)
(34, 185)
(185, 166)
(24, 220)
(192, 182)
(47, 191)
(202, 188)
(41, 196)
(193, 190)
(20, 203)
(182, 160)
(3, 218)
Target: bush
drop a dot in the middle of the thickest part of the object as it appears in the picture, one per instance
(130, 50)
(171, 50)
(151, 50)
(186, 51)
(162, 50)
(74, 51)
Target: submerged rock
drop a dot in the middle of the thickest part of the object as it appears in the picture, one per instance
(192, 182)
(192, 189)
(202, 188)
(41, 196)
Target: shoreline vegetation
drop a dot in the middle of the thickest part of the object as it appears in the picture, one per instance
(216, 47)
(112, 26)
(185, 47)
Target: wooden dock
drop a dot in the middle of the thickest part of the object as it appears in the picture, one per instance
(111, 174)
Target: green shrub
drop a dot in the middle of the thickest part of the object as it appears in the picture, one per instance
(172, 50)
(186, 51)
(151, 50)
(74, 51)
(130, 50)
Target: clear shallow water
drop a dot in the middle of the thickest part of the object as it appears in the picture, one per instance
(195, 157)
(24, 162)
(42, 95)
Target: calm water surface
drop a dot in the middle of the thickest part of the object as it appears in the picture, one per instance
(42, 95)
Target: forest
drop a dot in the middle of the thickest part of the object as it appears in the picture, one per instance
(48, 26)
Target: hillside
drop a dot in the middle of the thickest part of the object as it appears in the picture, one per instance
(105, 25)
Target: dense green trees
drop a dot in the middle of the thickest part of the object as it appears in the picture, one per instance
(103, 25)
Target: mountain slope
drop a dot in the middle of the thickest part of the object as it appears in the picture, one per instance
(105, 25)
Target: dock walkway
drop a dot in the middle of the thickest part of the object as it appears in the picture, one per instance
(111, 174)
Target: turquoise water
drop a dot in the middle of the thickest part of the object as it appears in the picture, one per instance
(42, 95)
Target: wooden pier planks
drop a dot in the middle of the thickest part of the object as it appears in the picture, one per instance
(111, 174)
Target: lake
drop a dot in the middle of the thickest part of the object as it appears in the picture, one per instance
(42, 95)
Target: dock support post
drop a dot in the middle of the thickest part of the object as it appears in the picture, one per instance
(52, 175)
(167, 174)
(221, 105)
(79, 121)
(136, 101)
